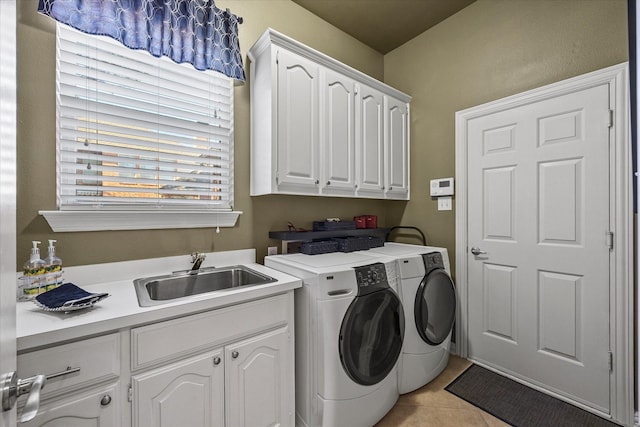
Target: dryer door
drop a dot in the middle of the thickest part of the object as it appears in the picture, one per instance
(371, 336)
(435, 307)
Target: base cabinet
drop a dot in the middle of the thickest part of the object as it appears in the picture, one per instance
(97, 408)
(187, 393)
(257, 381)
(240, 374)
(229, 367)
(241, 385)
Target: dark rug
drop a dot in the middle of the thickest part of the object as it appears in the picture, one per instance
(518, 404)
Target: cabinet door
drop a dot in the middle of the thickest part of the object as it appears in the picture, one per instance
(397, 149)
(297, 128)
(338, 134)
(99, 408)
(260, 380)
(370, 164)
(187, 393)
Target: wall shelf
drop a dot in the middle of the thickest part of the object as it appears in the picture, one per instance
(306, 236)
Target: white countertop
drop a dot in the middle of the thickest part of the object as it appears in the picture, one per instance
(36, 327)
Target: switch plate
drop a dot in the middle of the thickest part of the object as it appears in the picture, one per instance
(444, 203)
(272, 250)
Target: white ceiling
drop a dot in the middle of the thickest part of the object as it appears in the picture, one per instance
(384, 24)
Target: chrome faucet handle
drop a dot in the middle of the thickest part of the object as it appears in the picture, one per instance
(197, 258)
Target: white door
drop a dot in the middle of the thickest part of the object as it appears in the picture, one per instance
(339, 134)
(539, 206)
(298, 148)
(7, 196)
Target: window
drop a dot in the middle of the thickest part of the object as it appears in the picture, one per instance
(136, 133)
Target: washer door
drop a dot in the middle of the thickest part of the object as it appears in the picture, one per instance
(371, 336)
(435, 307)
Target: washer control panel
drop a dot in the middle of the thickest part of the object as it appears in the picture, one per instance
(371, 278)
(433, 260)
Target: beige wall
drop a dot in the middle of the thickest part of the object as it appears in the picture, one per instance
(489, 50)
(36, 147)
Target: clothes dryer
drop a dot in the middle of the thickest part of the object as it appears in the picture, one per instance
(349, 333)
(429, 300)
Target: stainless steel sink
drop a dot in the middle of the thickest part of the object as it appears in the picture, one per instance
(163, 289)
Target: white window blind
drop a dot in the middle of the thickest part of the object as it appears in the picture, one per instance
(140, 132)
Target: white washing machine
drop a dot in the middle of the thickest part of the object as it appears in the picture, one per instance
(349, 333)
(429, 301)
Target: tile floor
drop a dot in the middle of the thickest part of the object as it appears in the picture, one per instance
(432, 405)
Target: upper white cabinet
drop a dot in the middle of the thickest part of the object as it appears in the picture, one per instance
(297, 123)
(320, 127)
(338, 148)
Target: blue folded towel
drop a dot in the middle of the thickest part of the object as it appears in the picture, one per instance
(68, 295)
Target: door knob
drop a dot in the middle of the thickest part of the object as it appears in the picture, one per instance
(477, 251)
(11, 387)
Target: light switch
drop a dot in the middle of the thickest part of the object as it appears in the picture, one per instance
(444, 203)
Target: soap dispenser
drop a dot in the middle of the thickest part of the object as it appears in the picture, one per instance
(32, 283)
(53, 267)
(35, 265)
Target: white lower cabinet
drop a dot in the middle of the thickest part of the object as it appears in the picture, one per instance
(95, 408)
(232, 366)
(257, 376)
(186, 393)
(240, 385)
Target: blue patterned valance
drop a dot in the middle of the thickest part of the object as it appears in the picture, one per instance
(193, 31)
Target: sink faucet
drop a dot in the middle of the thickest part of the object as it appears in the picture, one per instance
(197, 258)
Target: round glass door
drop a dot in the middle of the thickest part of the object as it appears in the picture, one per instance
(435, 307)
(371, 336)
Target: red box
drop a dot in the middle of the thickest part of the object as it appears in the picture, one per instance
(361, 221)
(372, 221)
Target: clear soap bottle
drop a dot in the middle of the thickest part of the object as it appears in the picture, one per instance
(53, 267)
(33, 281)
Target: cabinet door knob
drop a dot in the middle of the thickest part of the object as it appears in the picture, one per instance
(235, 354)
(390, 188)
(328, 182)
(317, 181)
(216, 360)
(106, 400)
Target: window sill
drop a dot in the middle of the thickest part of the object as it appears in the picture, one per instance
(85, 220)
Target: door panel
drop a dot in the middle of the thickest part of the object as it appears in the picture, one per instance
(538, 185)
(186, 393)
(255, 390)
(298, 126)
(339, 134)
(8, 196)
(397, 173)
(371, 172)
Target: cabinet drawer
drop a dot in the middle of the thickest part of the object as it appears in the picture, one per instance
(98, 359)
(172, 339)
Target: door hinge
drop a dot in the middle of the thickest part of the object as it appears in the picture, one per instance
(610, 118)
(609, 239)
(610, 361)
(130, 393)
